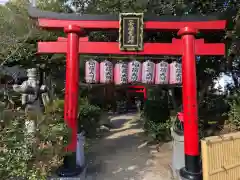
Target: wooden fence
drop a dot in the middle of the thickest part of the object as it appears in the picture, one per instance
(221, 157)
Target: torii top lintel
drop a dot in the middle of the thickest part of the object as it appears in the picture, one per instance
(55, 20)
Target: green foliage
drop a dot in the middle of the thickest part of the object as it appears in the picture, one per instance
(32, 156)
(157, 121)
(159, 131)
(18, 42)
(154, 109)
(234, 114)
(88, 110)
(89, 116)
(213, 107)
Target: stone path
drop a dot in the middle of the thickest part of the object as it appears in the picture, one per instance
(123, 154)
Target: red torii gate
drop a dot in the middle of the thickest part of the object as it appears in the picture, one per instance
(139, 89)
(187, 47)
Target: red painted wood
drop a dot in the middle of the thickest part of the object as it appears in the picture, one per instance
(201, 25)
(136, 87)
(189, 92)
(108, 48)
(72, 81)
(139, 89)
(82, 39)
(151, 25)
(174, 48)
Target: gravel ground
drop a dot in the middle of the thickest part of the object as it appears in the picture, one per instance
(124, 154)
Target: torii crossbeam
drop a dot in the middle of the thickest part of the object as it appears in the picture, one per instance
(175, 48)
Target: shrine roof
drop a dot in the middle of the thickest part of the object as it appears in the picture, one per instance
(37, 13)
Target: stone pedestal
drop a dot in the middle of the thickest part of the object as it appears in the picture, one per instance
(178, 160)
(80, 156)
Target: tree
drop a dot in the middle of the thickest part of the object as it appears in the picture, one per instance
(19, 34)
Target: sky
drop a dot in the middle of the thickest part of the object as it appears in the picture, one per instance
(3, 1)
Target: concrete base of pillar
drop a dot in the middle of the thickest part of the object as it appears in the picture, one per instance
(178, 160)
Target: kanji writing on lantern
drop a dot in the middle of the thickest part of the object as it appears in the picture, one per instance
(178, 72)
(91, 71)
(134, 71)
(148, 72)
(123, 72)
(162, 73)
(108, 71)
(175, 73)
(162, 76)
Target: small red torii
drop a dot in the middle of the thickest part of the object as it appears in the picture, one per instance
(139, 89)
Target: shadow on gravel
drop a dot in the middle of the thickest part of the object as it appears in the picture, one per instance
(122, 153)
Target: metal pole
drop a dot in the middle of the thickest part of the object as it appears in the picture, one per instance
(70, 167)
(192, 170)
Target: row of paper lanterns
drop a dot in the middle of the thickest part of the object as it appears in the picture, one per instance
(134, 71)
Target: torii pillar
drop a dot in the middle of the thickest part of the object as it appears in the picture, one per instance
(70, 168)
(192, 168)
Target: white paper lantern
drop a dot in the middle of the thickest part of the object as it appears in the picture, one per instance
(175, 73)
(121, 73)
(148, 72)
(134, 72)
(162, 73)
(92, 71)
(106, 72)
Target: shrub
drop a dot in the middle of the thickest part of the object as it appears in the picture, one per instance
(35, 156)
(157, 121)
(32, 156)
(89, 116)
(234, 114)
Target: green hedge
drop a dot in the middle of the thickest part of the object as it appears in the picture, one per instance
(156, 115)
(88, 117)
